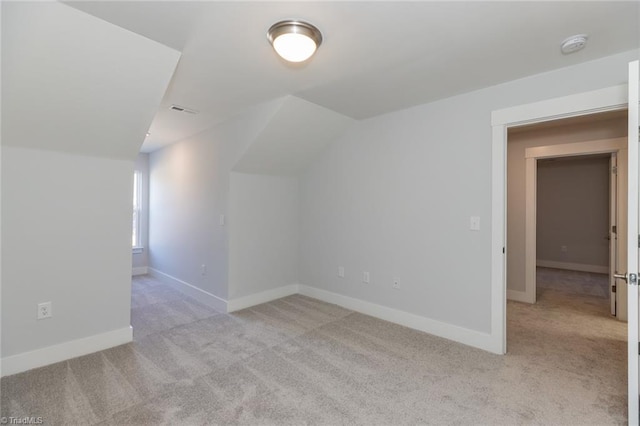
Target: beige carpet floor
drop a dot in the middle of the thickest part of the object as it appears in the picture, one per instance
(300, 361)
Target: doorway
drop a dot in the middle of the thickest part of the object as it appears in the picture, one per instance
(576, 208)
(612, 98)
(536, 326)
(527, 146)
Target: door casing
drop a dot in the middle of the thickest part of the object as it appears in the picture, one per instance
(607, 99)
(532, 155)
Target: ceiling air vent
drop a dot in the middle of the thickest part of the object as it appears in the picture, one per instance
(183, 109)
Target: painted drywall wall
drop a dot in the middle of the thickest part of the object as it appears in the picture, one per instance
(263, 233)
(76, 105)
(66, 240)
(188, 191)
(141, 257)
(516, 146)
(191, 187)
(573, 211)
(394, 197)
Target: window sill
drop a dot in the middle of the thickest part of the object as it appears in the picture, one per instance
(138, 250)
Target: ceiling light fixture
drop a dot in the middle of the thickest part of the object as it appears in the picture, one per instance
(294, 41)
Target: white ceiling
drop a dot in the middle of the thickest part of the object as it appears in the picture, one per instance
(102, 108)
(296, 133)
(376, 57)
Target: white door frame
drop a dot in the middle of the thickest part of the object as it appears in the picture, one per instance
(632, 247)
(608, 99)
(532, 155)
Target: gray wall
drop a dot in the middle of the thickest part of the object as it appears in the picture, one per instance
(516, 146)
(66, 238)
(573, 211)
(244, 169)
(395, 194)
(141, 259)
(189, 190)
(263, 233)
(74, 114)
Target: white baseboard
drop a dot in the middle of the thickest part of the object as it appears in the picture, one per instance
(520, 296)
(190, 290)
(262, 297)
(61, 352)
(448, 331)
(597, 269)
(139, 270)
(50, 355)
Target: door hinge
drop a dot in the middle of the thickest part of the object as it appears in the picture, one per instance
(614, 170)
(638, 241)
(613, 288)
(638, 348)
(503, 247)
(614, 229)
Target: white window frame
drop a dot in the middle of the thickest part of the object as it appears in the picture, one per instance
(136, 243)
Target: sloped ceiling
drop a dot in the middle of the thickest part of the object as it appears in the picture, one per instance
(376, 57)
(298, 131)
(75, 83)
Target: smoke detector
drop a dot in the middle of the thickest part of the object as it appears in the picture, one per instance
(573, 43)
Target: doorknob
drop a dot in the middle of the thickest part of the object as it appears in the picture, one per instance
(628, 278)
(621, 276)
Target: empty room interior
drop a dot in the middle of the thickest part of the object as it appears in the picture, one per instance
(418, 220)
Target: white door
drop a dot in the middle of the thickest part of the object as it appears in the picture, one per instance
(632, 243)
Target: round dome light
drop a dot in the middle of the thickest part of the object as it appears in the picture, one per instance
(294, 41)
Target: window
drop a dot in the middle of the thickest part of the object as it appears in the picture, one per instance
(137, 207)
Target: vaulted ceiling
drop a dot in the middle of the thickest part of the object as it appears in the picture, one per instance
(76, 84)
(376, 57)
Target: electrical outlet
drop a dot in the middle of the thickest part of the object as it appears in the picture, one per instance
(396, 283)
(44, 310)
(341, 271)
(366, 278)
(203, 269)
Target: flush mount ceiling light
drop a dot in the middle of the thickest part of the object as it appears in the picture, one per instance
(573, 43)
(294, 41)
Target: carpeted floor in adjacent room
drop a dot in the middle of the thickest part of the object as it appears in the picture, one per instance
(300, 361)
